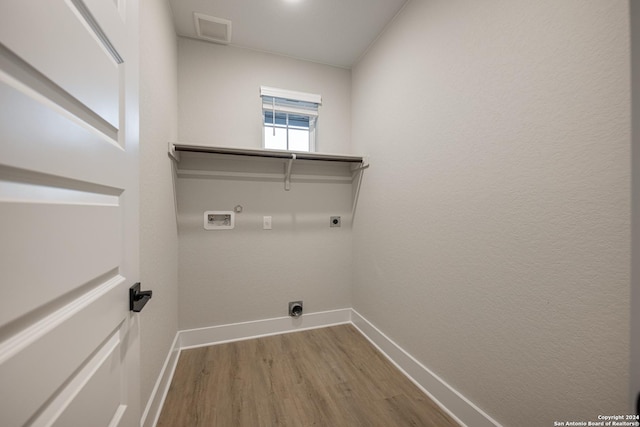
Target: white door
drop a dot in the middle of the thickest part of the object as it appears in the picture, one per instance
(68, 213)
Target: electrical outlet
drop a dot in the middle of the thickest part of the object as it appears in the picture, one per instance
(335, 221)
(266, 223)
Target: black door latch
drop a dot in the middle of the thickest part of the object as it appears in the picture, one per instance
(138, 298)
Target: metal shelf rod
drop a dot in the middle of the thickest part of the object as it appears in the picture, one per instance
(279, 154)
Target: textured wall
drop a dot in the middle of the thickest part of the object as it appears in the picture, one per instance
(158, 229)
(492, 238)
(220, 103)
(229, 276)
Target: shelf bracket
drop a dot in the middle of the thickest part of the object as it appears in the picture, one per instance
(359, 168)
(173, 153)
(287, 174)
(364, 165)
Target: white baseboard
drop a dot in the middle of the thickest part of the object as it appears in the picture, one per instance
(451, 401)
(192, 338)
(459, 407)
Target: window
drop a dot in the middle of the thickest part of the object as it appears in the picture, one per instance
(289, 119)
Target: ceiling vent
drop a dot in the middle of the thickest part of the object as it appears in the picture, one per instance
(213, 29)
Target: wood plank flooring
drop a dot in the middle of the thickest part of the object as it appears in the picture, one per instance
(322, 377)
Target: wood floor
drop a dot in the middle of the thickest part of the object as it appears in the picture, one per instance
(323, 377)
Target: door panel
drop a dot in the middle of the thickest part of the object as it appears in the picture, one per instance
(97, 399)
(63, 139)
(68, 53)
(69, 350)
(46, 272)
(40, 358)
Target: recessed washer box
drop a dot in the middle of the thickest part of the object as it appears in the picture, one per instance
(219, 220)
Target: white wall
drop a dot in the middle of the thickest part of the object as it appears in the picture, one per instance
(158, 226)
(249, 273)
(499, 136)
(230, 276)
(219, 102)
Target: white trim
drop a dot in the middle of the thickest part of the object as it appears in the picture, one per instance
(465, 412)
(286, 109)
(201, 337)
(450, 400)
(159, 393)
(290, 94)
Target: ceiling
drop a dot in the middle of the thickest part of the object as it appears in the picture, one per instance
(334, 32)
